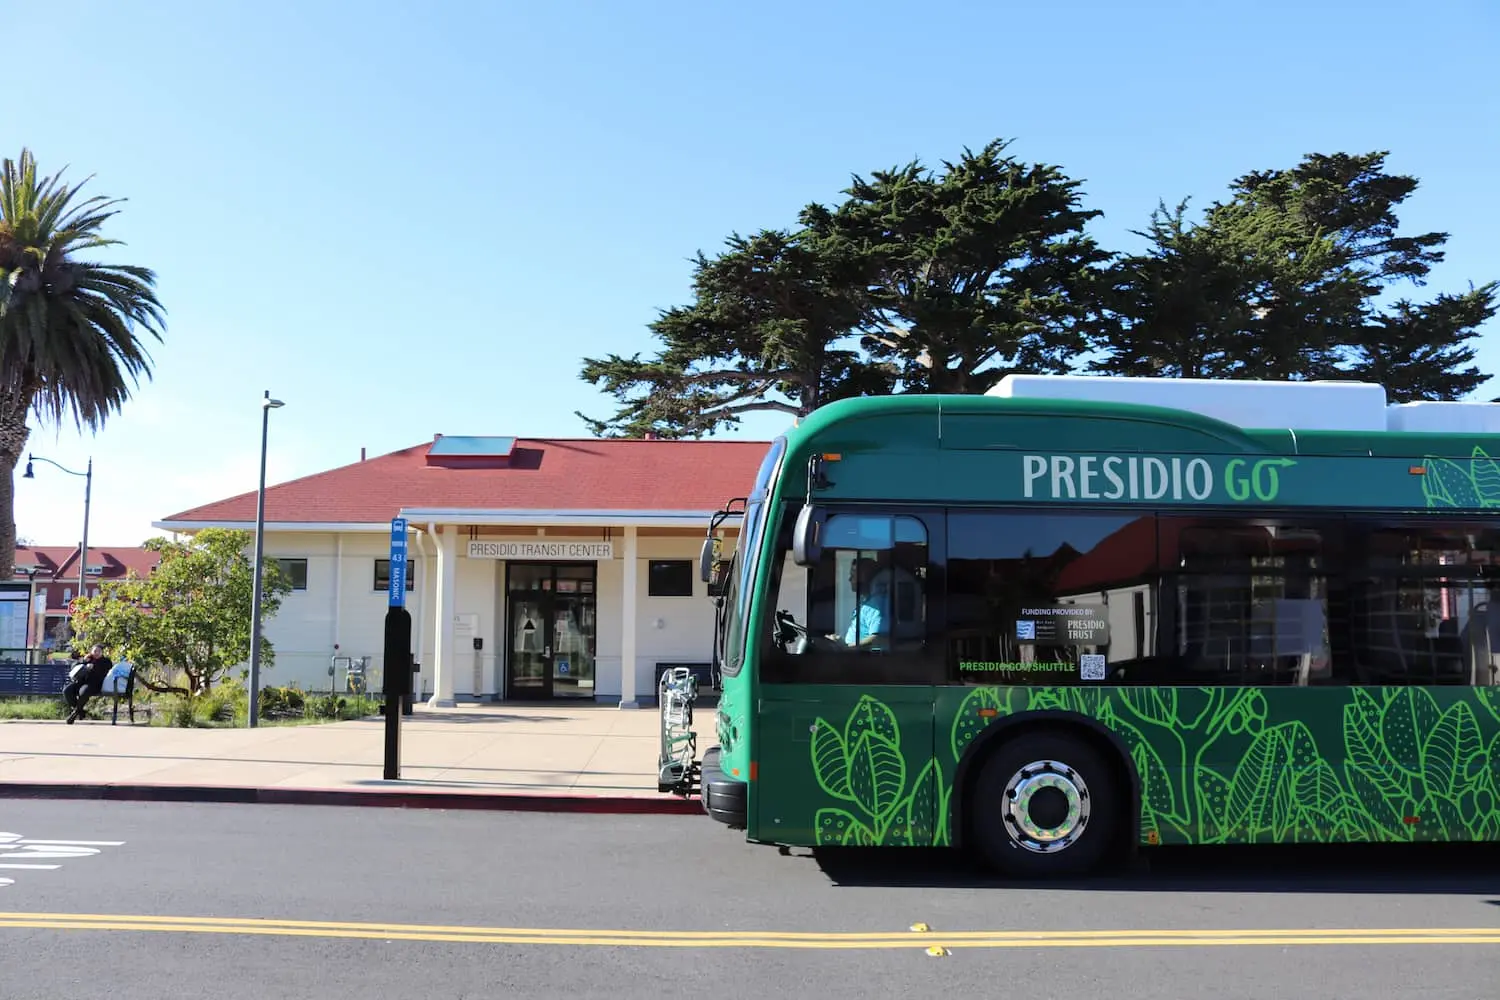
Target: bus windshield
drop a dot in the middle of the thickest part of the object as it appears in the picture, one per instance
(736, 603)
(736, 606)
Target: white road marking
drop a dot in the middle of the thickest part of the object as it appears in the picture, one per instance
(73, 843)
(51, 852)
(18, 853)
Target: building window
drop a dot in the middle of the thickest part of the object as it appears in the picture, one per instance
(1049, 598)
(669, 578)
(383, 575)
(296, 571)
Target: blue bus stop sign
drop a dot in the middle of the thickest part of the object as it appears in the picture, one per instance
(397, 594)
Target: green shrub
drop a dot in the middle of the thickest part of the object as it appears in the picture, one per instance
(282, 703)
(273, 703)
(180, 712)
(33, 709)
(324, 706)
(229, 705)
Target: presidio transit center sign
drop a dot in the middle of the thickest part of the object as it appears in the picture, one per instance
(541, 549)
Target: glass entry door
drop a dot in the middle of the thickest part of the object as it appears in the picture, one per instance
(529, 653)
(550, 620)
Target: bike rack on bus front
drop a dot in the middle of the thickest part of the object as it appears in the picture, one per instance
(677, 761)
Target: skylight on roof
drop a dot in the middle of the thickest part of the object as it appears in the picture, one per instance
(468, 446)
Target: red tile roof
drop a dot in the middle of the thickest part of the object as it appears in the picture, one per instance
(543, 474)
(61, 561)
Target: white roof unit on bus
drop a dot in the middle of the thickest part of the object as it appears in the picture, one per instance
(1304, 406)
(1446, 418)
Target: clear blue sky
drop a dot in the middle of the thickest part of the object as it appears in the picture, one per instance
(406, 218)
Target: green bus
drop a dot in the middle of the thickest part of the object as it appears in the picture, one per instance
(1051, 629)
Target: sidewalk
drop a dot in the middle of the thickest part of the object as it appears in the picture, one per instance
(490, 756)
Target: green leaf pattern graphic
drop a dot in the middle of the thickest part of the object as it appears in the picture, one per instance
(865, 767)
(1449, 484)
(1471, 485)
(877, 774)
(834, 826)
(1485, 473)
(1216, 764)
(922, 803)
(1404, 725)
(831, 761)
(1451, 754)
(1489, 697)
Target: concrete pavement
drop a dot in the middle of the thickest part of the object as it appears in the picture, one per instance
(547, 753)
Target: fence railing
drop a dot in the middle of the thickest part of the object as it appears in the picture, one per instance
(34, 655)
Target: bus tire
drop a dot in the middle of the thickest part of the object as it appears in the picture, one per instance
(1044, 804)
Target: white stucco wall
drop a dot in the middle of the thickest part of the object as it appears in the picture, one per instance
(341, 605)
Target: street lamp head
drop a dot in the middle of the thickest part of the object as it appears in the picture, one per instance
(28, 474)
(271, 404)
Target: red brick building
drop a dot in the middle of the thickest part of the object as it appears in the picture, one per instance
(51, 575)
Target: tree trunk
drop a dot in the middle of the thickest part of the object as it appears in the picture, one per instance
(13, 436)
(812, 391)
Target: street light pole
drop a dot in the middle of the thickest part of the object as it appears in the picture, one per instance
(266, 406)
(88, 492)
(83, 554)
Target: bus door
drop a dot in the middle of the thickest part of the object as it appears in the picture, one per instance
(844, 725)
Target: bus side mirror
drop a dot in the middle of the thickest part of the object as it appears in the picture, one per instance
(720, 581)
(706, 561)
(712, 569)
(807, 536)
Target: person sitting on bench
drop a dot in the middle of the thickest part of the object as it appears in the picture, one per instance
(89, 682)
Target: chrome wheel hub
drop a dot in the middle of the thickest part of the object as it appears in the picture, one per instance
(1046, 806)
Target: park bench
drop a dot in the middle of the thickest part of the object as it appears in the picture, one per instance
(33, 680)
(47, 680)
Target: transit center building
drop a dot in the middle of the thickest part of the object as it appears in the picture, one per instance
(538, 568)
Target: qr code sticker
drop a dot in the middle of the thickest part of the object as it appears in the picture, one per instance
(1025, 630)
(1091, 666)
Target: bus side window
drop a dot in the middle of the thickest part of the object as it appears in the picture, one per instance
(867, 595)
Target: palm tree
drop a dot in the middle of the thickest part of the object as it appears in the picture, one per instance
(67, 326)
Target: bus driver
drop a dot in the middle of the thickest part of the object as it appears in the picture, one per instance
(869, 622)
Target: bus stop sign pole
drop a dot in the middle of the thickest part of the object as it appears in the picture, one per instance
(397, 650)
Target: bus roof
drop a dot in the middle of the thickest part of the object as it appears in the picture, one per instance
(1286, 422)
(1319, 405)
(1040, 449)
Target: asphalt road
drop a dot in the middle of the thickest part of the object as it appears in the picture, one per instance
(168, 900)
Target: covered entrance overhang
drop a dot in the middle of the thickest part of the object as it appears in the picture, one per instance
(553, 658)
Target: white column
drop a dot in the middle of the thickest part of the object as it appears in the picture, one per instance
(418, 564)
(627, 632)
(447, 585)
(338, 584)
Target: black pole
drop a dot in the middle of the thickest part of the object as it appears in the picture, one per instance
(397, 650)
(397, 684)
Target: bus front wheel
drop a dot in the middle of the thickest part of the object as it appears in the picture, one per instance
(1044, 804)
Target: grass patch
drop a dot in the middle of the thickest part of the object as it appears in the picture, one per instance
(224, 707)
(33, 709)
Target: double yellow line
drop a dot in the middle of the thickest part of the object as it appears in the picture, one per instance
(933, 940)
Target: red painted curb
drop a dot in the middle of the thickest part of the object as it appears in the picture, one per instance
(617, 804)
